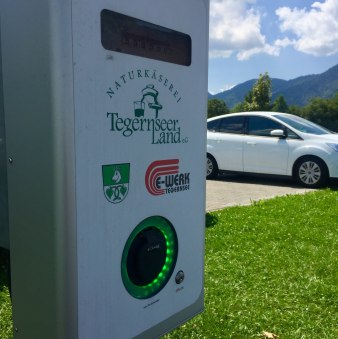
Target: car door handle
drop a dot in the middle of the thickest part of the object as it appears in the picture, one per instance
(251, 143)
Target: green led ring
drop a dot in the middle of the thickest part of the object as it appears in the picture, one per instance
(167, 230)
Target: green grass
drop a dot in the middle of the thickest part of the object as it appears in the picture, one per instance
(271, 266)
(6, 328)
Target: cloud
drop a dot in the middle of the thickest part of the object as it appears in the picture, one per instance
(313, 31)
(227, 87)
(283, 42)
(235, 27)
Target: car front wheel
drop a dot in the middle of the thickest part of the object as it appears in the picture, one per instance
(311, 172)
(212, 168)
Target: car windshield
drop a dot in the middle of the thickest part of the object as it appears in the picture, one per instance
(303, 125)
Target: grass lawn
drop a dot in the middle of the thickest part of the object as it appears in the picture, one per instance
(5, 302)
(271, 266)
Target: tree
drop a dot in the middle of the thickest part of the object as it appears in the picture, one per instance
(280, 105)
(248, 104)
(296, 110)
(258, 99)
(323, 112)
(217, 107)
(238, 108)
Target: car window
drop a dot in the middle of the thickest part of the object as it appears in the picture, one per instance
(232, 125)
(213, 125)
(303, 125)
(262, 126)
(291, 134)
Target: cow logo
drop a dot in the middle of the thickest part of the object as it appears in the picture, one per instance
(164, 177)
(115, 182)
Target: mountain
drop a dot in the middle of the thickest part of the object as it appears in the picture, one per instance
(297, 91)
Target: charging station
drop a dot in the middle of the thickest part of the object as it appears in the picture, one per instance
(104, 107)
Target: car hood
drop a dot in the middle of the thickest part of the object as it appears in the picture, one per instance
(324, 137)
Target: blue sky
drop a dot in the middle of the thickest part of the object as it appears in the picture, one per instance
(286, 38)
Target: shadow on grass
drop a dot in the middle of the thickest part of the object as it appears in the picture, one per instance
(210, 220)
(333, 185)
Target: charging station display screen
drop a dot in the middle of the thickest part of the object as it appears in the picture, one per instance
(125, 34)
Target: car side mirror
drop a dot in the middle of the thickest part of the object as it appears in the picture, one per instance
(277, 133)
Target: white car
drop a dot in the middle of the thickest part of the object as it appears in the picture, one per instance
(272, 143)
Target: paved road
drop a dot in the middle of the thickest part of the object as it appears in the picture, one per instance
(243, 190)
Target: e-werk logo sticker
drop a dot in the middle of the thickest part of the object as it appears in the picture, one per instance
(164, 177)
(115, 182)
(146, 110)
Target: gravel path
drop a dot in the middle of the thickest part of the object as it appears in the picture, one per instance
(243, 190)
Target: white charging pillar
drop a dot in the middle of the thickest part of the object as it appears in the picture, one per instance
(105, 118)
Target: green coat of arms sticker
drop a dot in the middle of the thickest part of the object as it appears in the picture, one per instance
(115, 182)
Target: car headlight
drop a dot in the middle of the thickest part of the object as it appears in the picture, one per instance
(333, 146)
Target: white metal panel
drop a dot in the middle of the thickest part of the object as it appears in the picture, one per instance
(106, 85)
